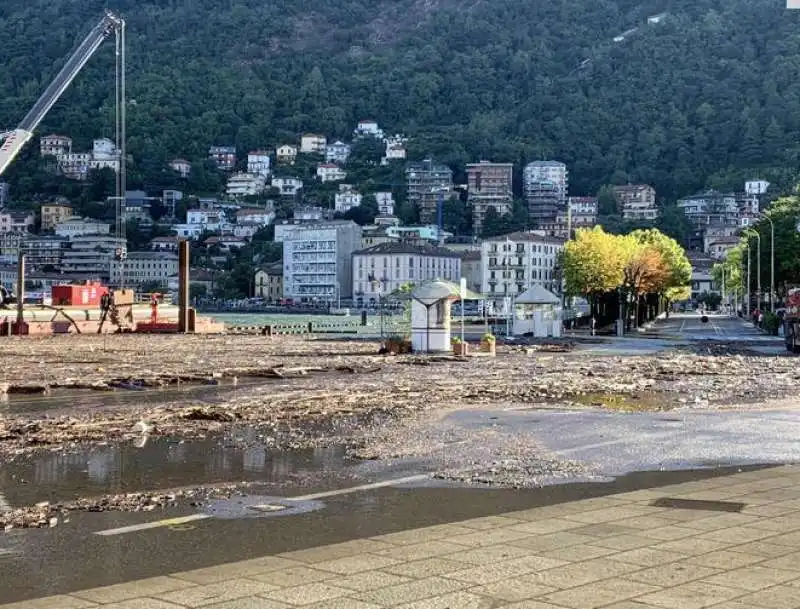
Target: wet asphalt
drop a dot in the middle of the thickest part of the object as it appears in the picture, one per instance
(624, 452)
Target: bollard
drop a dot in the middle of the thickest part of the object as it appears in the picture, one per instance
(309, 328)
(363, 318)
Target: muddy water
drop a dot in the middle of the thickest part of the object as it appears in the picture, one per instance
(165, 463)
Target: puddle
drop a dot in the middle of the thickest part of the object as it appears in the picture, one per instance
(165, 464)
(635, 402)
(80, 399)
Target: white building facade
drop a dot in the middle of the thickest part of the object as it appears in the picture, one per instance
(510, 264)
(246, 184)
(141, 268)
(328, 172)
(75, 226)
(287, 186)
(385, 201)
(384, 268)
(338, 152)
(346, 199)
(258, 162)
(317, 260)
(313, 143)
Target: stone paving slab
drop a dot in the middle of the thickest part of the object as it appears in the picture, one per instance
(617, 552)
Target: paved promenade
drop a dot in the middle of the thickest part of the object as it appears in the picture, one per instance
(731, 542)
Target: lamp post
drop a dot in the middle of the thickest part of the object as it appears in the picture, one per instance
(771, 262)
(758, 266)
(747, 302)
(377, 285)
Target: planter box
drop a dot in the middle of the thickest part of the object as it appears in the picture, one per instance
(489, 346)
(461, 349)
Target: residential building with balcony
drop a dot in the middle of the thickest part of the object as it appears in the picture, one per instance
(310, 213)
(637, 201)
(54, 213)
(489, 185)
(181, 166)
(545, 185)
(427, 183)
(55, 145)
(142, 268)
(287, 187)
(313, 143)
(255, 216)
(223, 156)
(91, 255)
(258, 162)
(77, 165)
(385, 201)
(395, 149)
(317, 259)
(328, 172)
(384, 268)
(346, 199)
(170, 200)
(368, 128)
(513, 263)
(167, 243)
(19, 222)
(286, 154)
(44, 250)
(338, 152)
(75, 227)
(246, 184)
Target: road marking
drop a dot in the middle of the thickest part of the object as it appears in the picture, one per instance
(355, 489)
(153, 525)
(683, 323)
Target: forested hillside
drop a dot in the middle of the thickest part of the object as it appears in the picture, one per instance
(709, 95)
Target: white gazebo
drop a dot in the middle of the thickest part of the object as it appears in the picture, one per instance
(430, 314)
(537, 311)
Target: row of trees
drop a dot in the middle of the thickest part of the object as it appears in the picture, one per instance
(641, 263)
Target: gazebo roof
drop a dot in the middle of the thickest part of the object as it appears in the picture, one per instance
(433, 290)
(536, 294)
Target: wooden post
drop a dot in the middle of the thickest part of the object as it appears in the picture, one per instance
(183, 286)
(20, 287)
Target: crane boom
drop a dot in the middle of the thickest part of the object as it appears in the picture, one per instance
(16, 139)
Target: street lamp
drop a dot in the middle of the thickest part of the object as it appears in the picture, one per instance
(758, 266)
(771, 262)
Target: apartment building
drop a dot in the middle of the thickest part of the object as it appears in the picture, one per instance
(328, 172)
(338, 152)
(286, 154)
(223, 156)
(313, 143)
(258, 162)
(181, 166)
(16, 221)
(489, 185)
(55, 145)
(246, 184)
(346, 199)
(471, 269)
(637, 201)
(385, 201)
(511, 264)
(384, 268)
(54, 213)
(44, 250)
(317, 259)
(141, 268)
(545, 185)
(287, 187)
(427, 183)
(77, 165)
(91, 255)
(76, 226)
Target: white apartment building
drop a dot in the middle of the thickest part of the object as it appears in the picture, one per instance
(638, 201)
(256, 216)
(395, 149)
(182, 166)
(16, 221)
(91, 255)
(511, 264)
(211, 220)
(141, 268)
(75, 226)
(287, 186)
(170, 199)
(308, 213)
(346, 199)
(338, 152)
(328, 172)
(77, 165)
(553, 172)
(317, 259)
(368, 128)
(246, 184)
(286, 154)
(55, 145)
(756, 187)
(385, 201)
(258, 162)
(313, 143)
(383, 268)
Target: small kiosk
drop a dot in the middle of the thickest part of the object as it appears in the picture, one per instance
(431, 303)
(537, 311)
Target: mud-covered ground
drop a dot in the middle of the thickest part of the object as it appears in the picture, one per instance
(341, 392)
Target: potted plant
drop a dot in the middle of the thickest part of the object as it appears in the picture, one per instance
(459, 347)
(489, 343)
